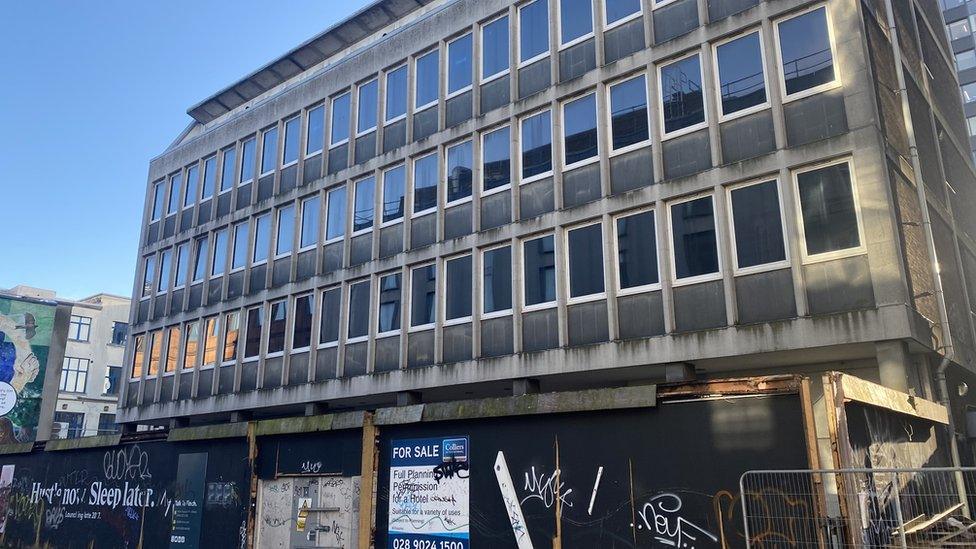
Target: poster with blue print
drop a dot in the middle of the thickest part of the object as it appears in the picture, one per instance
(429, 493)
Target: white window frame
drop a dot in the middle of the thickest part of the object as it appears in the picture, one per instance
(277, 236)
(523, 307)
(179, 350)
(266, 344)
(213, 254)
(284, 141)
(254, 243)
(352, 220)
(306, 132)
(607, 25)
(655, 4)
(481, 282)
(332, 102)
(437, 297)
(552, 149)
(660, 96)
(191, 275)
(608, 114)
(643, 288)
(277, 157)
(245, 328)
(319, 344)
(443, 170)
(202, 354)
(559, 27)
(443, 302)
(220, 180)
(186, 188)
(562, 135)
(835, 83)
(808, 259)
(382, 189)
(145, 273)
(416, 80)
(359, 90)
(149, 348)
(345, 213)
(386, 81)
(290, 324)
(87, 370)
(185, 341)
(518, 35)
(481, 160)
(162, 200)
(567, 275)
(81, 323)
(160, 290)
(178, 189)
(447, 66)
(722, 116)
(347, 302)
(413, 182)
(233, 246)
(675, 281)
(481, 56)
(785, 262)
(240, 161)
(379, 284)
(203, 178)
(176, 265)
(223, 339)
(301, 223)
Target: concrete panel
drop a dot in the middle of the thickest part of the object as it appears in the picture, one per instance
(225, 380)
(631, 171)
(391, 240)
(686, 155)
(534, 78)
(423, 231)
(497, 337)
(764, 297)
(420, 349)
(223, 205)
(361, 249)
(186, 386)
(699, 306)
(152, 233)
(306, 265)
(176, 302)
(536, 198)
(167, 384)
(149, 390)
(674, 20)
(425, 124)
(204, 209)
(159, 306)
(257, 278)
(235, 284)
(577, 60)
(289, 179)
(495, 94)
(747, 137)
(640, 315)
(143, 311)
(540, 330)
(186, 219)
(338, 159)
(312, 170)
(395, 135)
(457, 221)
(249, 376)
(624, 40)
(841, 285)
(205, 383)
(326, 361)
(816, 117)
(272, 372)
(214, 287)
(457, 343)
(365, 147)
(588, 323)
(265, 188)
(332, 257)
(458, 109)
(355, 361)
(243, 196)
(387, 354)
(720, 9)
(581, 185)
(169, 226)
(298, 369)
(282, 272)
(496, 210)
(132, 395)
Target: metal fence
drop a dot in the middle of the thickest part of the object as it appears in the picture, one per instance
(863, 508)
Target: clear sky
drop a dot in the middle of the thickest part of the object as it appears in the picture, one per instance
(89, 93)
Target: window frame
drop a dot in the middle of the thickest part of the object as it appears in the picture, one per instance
(416, 81)
(379, 290)
(559, 27)
(806, 258)
(306, 133)
(165, 263)
(481, 47)
(223, 165)
(233, 247)
(376, 108)
(74, 328)
(521, 151)
(382, 189)
(175, 183)
(178, 261)
(660, 97)
(296, 118)
(442, 169)
(79, 361)
(186, 338)
(518, 37)
(345, 214)
(186, 187)
(447, 65)
(608, 112)
(355, 187)
(319, 344)
(481, 282)
(655, 4)
(203, 177)
(615, 245)
(669, 234)
(347, 303)
(278, 254)
(254, 242)
(218, 350)
(776, 265)
(332, 102)
(301, 224)
(567, 275)
(835, 83)
(224, 328)
(240, 163)
(564, 167)
(178, 328)
(386, 87)
(437, 297)
(262, 172)
(607, 25)
(413, 184)
(246, 329)
(442, 303)
(290, 324)
(722, 116)
(151, 342)
(266, 342)
(523, 307)
(200, 244)
(481, 159)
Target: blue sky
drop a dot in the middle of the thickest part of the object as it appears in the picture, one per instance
(90, 92)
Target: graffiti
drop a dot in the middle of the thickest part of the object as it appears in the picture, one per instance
(53, 517)
(513, 508)
(126, 464)
(450, 469)
(596, 486)
(660, 518)
(25, 338)
(243, 534)
(309, 467)
(338, 532)
(776, 518)
(544, 488)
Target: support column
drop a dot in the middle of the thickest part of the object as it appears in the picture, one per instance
(525, 386)
(408, 398)
(677, 372)
(893, 364)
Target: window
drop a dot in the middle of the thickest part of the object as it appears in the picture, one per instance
(335, 224)
(74, 374)
(427, 82)
(269, 151)
(200, 260)
(362, 218)
(159, 194)
(536, 141)
(239, 258)
(155, 350)
(359, 310)
(539, 271)
(262, 239)
(965, 60)
(120, 333)
(459, 68)
(301, 333)
(227, 169)
(284, 243)
(210, 333)
(340, 120)
(459, 171)
(255, 325)
(682, 101)
(231, 333)
(138, 356)
(949, 4)
(209, 177)
(828, 211)
(396, 94)
(494, 48)
(636, 251)
(113, 377)
(621, 11)
(368, 98)
(425, 184)
(175, 183)
(693, 240)
(164, 266)
(496, 268)
(579, 130)
(191, 345)
(182, 264)
(310, 223)
(172, 349)
(585, 261)
(277, 322)
(393, 188)
(79, 328)
(959, 29)
(628, 113)
(757, 226)
(388, 320)
(805, 53)
(457, 302)
(293, 130)
(316, 131)
(329, 323)
(971, 125)
(969, 92)
(533, 30)
(575, 21)
(148, 275)
(192, 178)
(496, 159)
(741, 78)
(423, 296)
(106, 424)
(220, 253)
(247, 161)
(75, 421)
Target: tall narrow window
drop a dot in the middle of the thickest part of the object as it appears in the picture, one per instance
(425, 184)
(310, 223)
(536, 145)
(359, 310)
(252, 332)
(209, 177)
(262, 239)
(340, 120)
(191, 345)
(757, 226)
(316, 131)
(231, 333)
(293, 129)
(585, 260)
(172, 349)
(388, 320)
(155, 352)
(301, 333)
(148, 275)
(329, 323)
(362, 219)
(619, 11)
(200, 259)
(277, 322)
(741, 79)
(575, 20)
(220, 253)
(335, 223)
(248, 159)
(427, 81)
(190, 192)
(494, 48)
(805, 52)
(368, 100)
(396, 94)
(164, 267)
(239, 258)
(79, 328)
(460, 166)
(182, 264)
(423, 296)
(459, 68)
(828, 210)
(636, 251)
(533, 30)
(393, 187)
(284, 242)
(175, 184)
(457, 301)
(138, 356)
(269, 151)
(628, 113)
(496, 159)
(159, 197)
(579, 130)
(693, 239)
(682, 100)
(539, 276)
(496, 271)
(211, 330)
(229, 157)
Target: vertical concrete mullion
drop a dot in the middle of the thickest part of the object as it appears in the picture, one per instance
(518, 296)
(609, 277)
(290, 314)
(513, 46)
(477, 180)
(661, 220)
(353, 122)
(556, 129)
(374, 234)
(475, 69)
(562, 286)
(404, 314)
(791, 219)
(440, 299)
(603, 137)
(313, 341)
(653, 104)
(344, 290)
(279, 150)
(296, 240)
(711, 108)
(408, 194)
(773, 91)
(477, 289)
(411, 97)
(374, 303)
(598, 24)
(380, 112)
(724, 242)
(647, 8)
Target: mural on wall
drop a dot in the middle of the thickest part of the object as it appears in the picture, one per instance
(26, 330)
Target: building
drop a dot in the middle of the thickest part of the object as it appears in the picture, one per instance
(959, 19)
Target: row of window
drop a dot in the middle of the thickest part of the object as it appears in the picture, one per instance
(74, 377)
(79, 329)
(829, 225)
(74, 423)
(804, 49)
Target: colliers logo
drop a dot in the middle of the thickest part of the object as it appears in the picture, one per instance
(454, 449)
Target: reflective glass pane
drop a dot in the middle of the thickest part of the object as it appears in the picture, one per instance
(497, 281)
(423, 302)
(363, 207)
(827, 207)
(496, 158)
(579, 129)
(389, 317)
(693, 238)
(458, 288)
(396, 93)
(758, 225)
(628, 112)
(336, 221)
(533, 29)
(366, 120)
(302, 328)
(805, 49)
(539, 258)
(286, 230)
(637, 250)
(459, 171)
(585, 260)
(536, 145)
(340, 119)
(359, 309)
(316, 130)
(262, 238)
(393, 188)
(494, 47)
(459, 64)
(741, 80)
(269, 150)
(293, 129)
(277, 322)
(247, 160)
(427, 79)
(575, 19)
(681, 94)
(310, 222)
(425, 183)
(619, 9)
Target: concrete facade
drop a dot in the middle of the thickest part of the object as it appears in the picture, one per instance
(959, 18)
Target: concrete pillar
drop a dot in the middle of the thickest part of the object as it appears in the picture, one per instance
(128, 428)
(679, 371)
(316, 408)
(408, 398)
(237, 417)
(177, 422)
(894, 363)
(525, 386)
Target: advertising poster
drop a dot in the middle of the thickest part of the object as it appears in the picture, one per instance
(429, 493)
(6, 479)
(191, 475)
(26, 328)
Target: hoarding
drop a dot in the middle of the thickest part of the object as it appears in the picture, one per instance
(26, 330)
